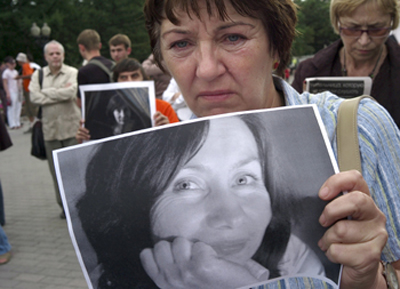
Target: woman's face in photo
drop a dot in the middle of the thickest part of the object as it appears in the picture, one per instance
(219, 196)
(119, 116)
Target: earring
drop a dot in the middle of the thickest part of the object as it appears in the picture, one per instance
(276, 65)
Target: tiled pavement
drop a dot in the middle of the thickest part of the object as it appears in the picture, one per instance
(44, 257)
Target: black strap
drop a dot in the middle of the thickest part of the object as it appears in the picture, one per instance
(108, 71)
(39, 114)
(40, 78)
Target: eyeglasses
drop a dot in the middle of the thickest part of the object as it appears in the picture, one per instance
(372, 32)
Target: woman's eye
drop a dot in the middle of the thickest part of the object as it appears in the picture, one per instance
(180, 44)
(186, 186)
(233, 37)
(245, 180)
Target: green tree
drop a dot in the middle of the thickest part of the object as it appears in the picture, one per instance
(314, 28)
(67, 18)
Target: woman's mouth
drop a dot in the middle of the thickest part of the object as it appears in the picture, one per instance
(228, 248)
(216, 95)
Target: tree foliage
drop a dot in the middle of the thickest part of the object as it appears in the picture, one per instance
(314, 27)
(67, 18)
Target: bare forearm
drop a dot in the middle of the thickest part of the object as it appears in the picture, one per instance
(28, 76)
(5, 85)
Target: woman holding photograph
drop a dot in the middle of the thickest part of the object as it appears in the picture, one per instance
(222, 54)
(203, 202)
(364, 49)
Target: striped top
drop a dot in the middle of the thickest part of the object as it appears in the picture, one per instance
(379, 140)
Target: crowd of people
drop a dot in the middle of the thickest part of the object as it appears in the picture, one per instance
(230, 56)
(54, 89)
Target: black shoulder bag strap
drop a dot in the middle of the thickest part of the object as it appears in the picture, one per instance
(39, 114)
(103, 67)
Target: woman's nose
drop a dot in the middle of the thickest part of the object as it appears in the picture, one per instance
(225, 211)
(364, 39)
(209, 64)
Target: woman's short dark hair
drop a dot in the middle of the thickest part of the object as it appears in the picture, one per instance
(278, 17)
(116, 208)
(128, 64)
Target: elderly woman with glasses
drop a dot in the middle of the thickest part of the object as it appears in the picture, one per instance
(364, 49)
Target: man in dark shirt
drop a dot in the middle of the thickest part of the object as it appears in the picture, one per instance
(98, 68)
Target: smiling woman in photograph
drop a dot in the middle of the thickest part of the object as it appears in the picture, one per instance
(222, 55)
(203, 201)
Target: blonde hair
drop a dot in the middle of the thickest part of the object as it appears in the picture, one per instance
(341, 8)
(90, 39)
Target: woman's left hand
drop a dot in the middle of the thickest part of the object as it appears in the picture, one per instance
(357, 243)
(185, 264)
(160, 119)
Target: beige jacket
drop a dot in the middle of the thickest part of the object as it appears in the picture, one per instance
(60, 113)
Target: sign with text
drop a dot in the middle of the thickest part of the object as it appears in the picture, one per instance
(346, 87)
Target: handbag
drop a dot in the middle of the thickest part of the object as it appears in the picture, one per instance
(5, 140)
(38, 149)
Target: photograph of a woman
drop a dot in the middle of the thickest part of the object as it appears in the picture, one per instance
(204, 204)
(107, 105)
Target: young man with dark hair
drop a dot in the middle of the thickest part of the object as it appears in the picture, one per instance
(120, 47)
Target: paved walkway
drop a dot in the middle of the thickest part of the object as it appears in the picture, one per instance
(44, 257)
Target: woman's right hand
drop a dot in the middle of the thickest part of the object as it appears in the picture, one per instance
(185, 264)
(347, 240)
(82, 133)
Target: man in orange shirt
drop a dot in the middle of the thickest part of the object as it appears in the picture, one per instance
(27, 71)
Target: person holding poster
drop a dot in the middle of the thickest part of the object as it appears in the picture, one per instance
(130, 69)
(222, 54)
(364, 49)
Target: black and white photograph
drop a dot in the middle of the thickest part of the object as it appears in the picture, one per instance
(115, 108)
(228, 201)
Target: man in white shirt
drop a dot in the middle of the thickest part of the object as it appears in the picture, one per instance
(56, 94)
